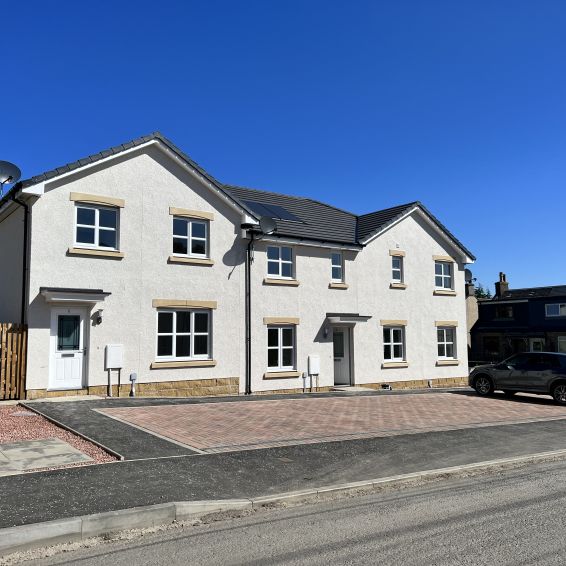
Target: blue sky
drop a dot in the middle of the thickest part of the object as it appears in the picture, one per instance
(461, 105)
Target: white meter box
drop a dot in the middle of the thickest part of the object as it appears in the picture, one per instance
(114, 356)
(314, 364)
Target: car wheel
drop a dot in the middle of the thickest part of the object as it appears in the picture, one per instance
(508, 393)
(559, 393)
(483, 385)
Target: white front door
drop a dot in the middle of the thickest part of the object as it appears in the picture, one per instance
(68, 327)
(341, 340)
(536, 344)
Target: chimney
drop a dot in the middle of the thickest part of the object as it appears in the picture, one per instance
(501, 287)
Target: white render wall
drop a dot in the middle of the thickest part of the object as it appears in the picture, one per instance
(150, 183)
(11, 251)
(368, 274)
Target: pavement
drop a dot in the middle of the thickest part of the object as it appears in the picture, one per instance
(25, 455)
(158, 471)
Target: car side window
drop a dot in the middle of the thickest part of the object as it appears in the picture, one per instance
(551, 362)
(518, 361)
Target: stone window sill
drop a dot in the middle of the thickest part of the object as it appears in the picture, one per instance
(96, 253)
(446, 293)
(287, 282)
(190, 260)
(337, 285)
(185, 364)
(281, 374)
(386, 365)
(448, 362)
(397, 286)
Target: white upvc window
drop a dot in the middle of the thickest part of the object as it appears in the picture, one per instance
(394, 343)
(397, 269)
(443, 278)
(446, 337)
(337, 262)
(183, 335)
(281, 348)
(280, 262)
(190, 237)
(96, 227)
(561, 344)
(555, 309)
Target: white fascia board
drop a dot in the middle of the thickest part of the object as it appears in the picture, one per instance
(39, 189)
(308, 243)
(34, 190)
(463, 255)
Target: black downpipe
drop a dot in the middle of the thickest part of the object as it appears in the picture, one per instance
(25, 255)
(248, 316)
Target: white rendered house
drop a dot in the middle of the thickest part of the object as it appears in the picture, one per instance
(139, 248)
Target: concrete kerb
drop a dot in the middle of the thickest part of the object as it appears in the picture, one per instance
(37, 535)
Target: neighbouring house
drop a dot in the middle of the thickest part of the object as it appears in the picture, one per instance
(137, 258)
(519, 320)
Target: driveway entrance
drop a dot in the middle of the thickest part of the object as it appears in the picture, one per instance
(233, 426)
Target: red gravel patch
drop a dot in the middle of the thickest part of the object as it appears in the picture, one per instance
(18, 423)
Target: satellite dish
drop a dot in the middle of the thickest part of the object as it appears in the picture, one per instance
(9, 173)
(267, 225)
(468, 276)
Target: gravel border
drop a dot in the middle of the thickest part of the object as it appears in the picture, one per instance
(19, 424)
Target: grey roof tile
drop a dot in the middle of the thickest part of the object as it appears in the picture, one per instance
(533, 293)
(319, 221)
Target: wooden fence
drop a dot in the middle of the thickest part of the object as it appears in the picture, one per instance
(13, 347)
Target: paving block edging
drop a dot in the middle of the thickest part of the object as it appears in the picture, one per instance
(30, 407)
(74, 529)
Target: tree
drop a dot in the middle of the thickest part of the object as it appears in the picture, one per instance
(482, 292)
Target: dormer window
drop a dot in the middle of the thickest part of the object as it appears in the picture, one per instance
(504, 311)
(555, 309)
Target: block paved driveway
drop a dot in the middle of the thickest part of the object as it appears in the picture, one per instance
(233, 426)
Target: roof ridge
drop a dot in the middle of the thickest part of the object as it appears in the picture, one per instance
(541, 287)
(228, 186)
(414, 203)
(332, 206)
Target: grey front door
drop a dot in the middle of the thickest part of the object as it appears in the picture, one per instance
(341, 345)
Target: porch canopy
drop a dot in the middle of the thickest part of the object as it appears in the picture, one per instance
(66, 295)
(345, 318)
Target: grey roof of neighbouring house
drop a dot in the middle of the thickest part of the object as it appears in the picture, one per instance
(533, 293)
(317, 220)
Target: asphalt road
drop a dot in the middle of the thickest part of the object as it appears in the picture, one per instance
(516, 517)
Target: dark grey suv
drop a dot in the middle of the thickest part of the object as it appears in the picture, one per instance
(543, 373)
